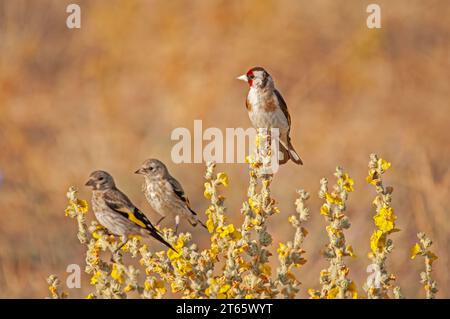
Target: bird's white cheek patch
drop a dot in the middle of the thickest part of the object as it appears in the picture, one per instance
(253, 98)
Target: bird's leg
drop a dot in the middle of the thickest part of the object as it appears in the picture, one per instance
(177, 221)
(124, 240)
(160, 220)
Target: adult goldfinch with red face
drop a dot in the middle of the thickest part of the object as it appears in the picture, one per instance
(267, 109)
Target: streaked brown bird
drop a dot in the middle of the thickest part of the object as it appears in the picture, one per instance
(267, 109)
(114, 210)
(165, 194)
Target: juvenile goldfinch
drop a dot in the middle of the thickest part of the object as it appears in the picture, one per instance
(267, 109)
(165, 194)
(114, 210)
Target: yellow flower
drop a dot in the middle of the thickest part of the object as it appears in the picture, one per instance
(95, 277)
(148, 286)
(182, 266)
(332, 293)
(155, 285)
(384, 165)
(333, 199)
(222, 178)
(373, 177)
(208, 190)
(258, 140)
(283, 250)
(377, 241)
(210, 225)
(236, 235)
(415, 250)
(53, 291)
(331, 230)
(352, 289)
(90, 296)
(325, 210)
(385, 219)
(224, 288)
(349, 251)
(293, 220)
(128, 288)
(255, 222)
(173, 254)
(265, 269)
(214, 251)
(254, 205)
(126, 247)
(178, 247)
(216, 285)
(313, 293)
(96, 234)
(344, 270)
(229, 231)
(346, 182)
(116, 274)
(82, 206)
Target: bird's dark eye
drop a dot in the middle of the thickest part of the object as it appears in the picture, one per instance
(150, 168)
(101, 178)
(251, 76)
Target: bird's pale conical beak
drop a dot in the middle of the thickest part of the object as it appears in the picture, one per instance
(242, 78)
(139, 171)
(89, 183)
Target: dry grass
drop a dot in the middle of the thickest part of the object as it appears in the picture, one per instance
(107, 97)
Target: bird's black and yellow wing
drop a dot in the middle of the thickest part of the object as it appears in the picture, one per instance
(121, 204)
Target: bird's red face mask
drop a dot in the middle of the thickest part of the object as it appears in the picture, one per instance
(248, 77)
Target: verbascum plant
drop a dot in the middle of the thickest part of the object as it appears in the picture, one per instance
(422, 248)
(380, 243)
(189, 271)
(257, 281)
(111, 279)
(334, 280)
(236, 261)
(53, 286)
(290, 255)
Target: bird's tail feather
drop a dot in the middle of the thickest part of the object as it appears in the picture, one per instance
(293, 155)
(286, 155)
(156, 234)
(195, 220)
(289, 153)
(201, 223)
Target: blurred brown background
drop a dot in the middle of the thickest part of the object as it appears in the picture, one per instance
(108, 95)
